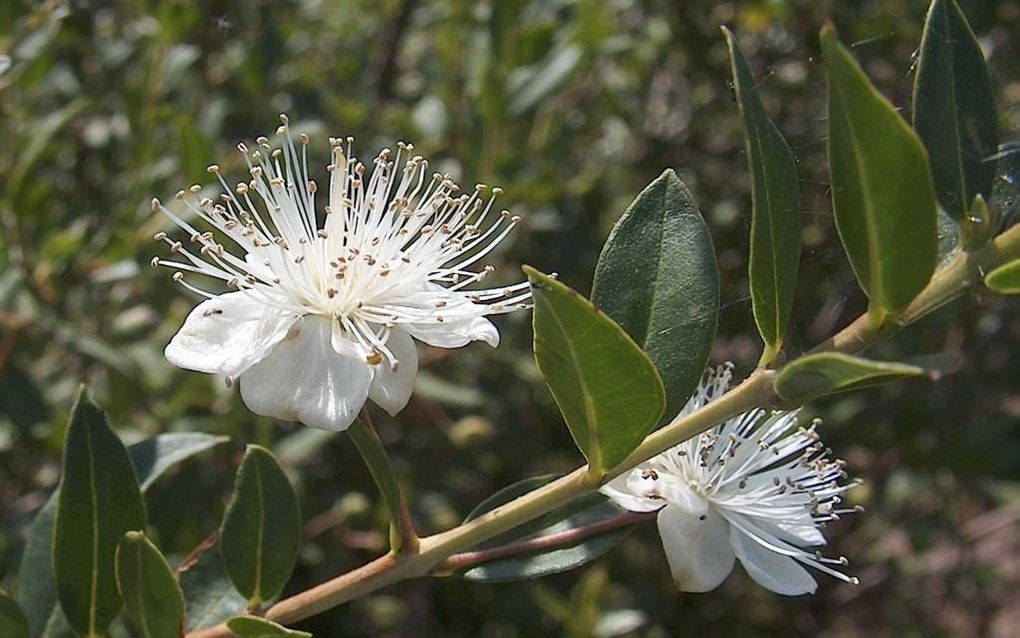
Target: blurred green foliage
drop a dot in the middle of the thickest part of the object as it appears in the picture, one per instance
(572, 107)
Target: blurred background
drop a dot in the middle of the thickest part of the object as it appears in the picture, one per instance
(572, 107)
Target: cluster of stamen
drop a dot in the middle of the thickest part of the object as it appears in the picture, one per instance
(393, 245)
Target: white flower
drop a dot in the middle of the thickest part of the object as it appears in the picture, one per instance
(756, 488)
(321, 308)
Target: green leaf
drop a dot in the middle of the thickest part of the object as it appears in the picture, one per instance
(590, 509)
(261, 528)
(954, 109)
(657, 278)
(210, 596)
(775, 202)
(881, 187)
(152, 598)
(99, 502)
(1005, 279)
(255, 627)
(606, 387)
(37, 591)
(817, 375)
(12, 619)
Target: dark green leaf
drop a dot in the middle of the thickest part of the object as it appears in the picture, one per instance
(657, 278)
(954, 109)
(255, 627)
(606, 387)
(152, 598)
(210, 596)
(817, 375)
(1005, 279)
(12, 619)
(99, 502)
(881, 187)
(590, 509)
(37, 591)
(775, 201)
(261, 528)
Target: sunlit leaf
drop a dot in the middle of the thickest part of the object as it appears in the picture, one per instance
(606, 387)
(152, 598)
(817, 375)
(1005, 279)
(775, 200)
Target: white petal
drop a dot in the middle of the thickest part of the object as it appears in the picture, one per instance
(390, 388)
(227, 335)
(620, 491)
(454, 334)
(773, 571)
(304, 379)
(697, 548)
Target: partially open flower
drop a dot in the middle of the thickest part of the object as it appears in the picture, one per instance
(757, 488)
(322, 307)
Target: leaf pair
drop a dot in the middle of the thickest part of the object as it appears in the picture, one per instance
(616, 365)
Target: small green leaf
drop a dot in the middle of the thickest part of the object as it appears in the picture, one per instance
(12, 620)
(99, 502)
(954, 109)
(977, 227)
(775, 202)
(261, 528)
(817, 375)
(210, 596)
(152, 598)
(881, 187)
(590, 509)
(255, 627)
(37, 591)
(606, 387)
(1005, 279)
(657, 278)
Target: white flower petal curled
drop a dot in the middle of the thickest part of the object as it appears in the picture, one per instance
(697, 548)
(394, 254)
(227, 335)
(303, 379)
(758, 484)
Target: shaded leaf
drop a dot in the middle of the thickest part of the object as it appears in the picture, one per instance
(12, 620)
(605, 386)
(590, 509)
(775, 200)
(37, 591)
(954, 109)
(817, 375)
(261, 528)
(255, 627)
(1005, 199)
(99, 502)
(210, 597)
(152, 598)
(658, 280)
(881, 187)
(1005, 279)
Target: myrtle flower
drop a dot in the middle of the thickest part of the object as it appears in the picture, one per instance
(757, 488)
(321, 308)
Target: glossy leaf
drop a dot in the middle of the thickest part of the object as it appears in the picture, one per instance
(210, 597)
(817, 375)
(152, 598)
(954, 109)
(12, 620)
(99, 502)
(658, 280)
(37, 591)
(590, 509)
(881, 187)
(607, 389)
(1005, 279)
(775, 203)
(255, 627)
(261, 528)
